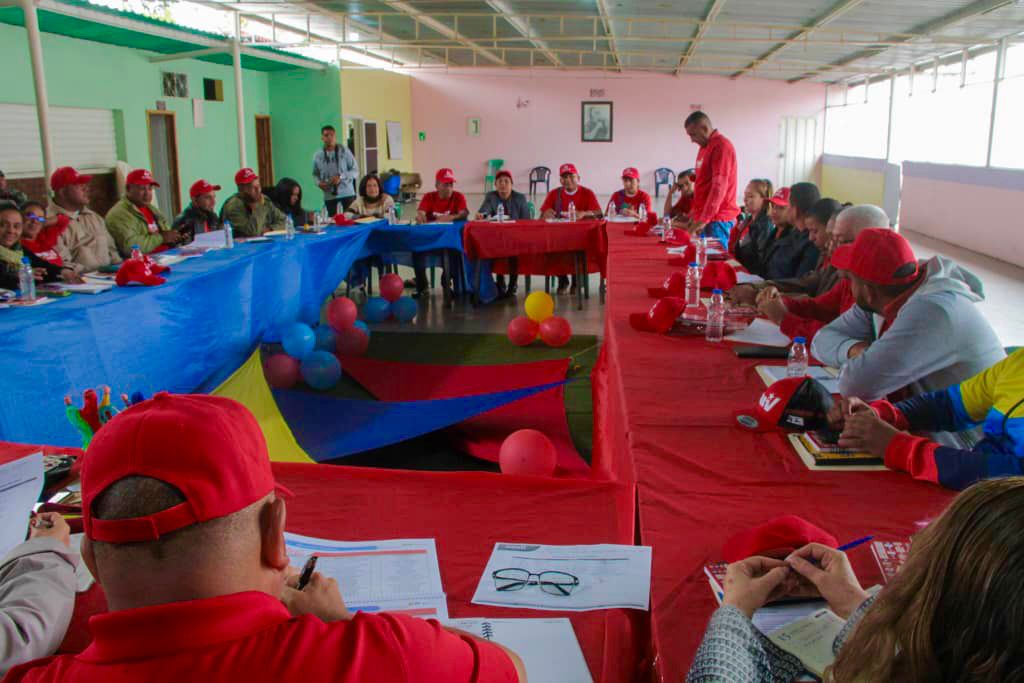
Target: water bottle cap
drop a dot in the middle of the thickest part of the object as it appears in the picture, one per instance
(695, 265)
(716, 291)
(135, 246)
(799, 340)
(24, 259)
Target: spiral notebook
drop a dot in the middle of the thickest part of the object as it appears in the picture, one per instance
(548, 647)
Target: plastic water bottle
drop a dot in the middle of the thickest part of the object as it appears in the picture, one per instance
(716, 317)
(229, 235)
(26, 281)
(643, 213)
(572, 212)
(391, 216)
(501, 213)
(289, 228)
(797, 365)
(136, 253)
(669, 232)
(702, 252)
(693, 285)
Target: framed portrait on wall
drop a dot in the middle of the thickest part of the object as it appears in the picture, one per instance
(596, 122)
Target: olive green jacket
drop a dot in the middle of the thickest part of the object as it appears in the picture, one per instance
(251, 222)
(127, 226)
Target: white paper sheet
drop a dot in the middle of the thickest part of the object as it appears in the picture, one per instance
(211, 240)
(609, 576)
(745, 278)
(810, 639)
(376, 576)
(21, 482)
(622, 219)
(761, 332)
(548, 647)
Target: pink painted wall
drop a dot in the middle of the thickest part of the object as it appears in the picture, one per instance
(649, 110)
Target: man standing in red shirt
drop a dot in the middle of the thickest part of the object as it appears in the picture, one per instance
(558, 202)
(184, 528)
(714, 208)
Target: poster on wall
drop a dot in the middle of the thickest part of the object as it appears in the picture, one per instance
(596, 122)
(394, 139)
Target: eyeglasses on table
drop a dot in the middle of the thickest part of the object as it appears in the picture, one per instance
(559, 584)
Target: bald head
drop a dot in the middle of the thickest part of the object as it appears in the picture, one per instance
(852, 220)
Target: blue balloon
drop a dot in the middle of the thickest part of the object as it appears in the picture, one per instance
(326, 339)
(298, 340)
(404, 309)
(364, 327)
(377, 309)
(321, 370)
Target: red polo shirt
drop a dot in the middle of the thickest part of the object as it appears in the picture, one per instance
(683, 206)
(558, 200)
(621, 199)
(434, 206)
(714, 191)
(251, 638)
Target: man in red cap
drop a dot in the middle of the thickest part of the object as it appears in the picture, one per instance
(714, 208)
(443, 205)
(200, 215)
(559, 201)
(86, 245)
(135, 221)
(249, 213)
(630, 198)
(915, 327)
(184, 529)
(515, 207)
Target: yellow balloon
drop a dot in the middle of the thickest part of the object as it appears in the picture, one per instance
(539, 306)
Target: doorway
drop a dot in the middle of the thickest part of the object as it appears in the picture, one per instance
(264, 155)
(163, 160)
(370, 146)
(798, 150)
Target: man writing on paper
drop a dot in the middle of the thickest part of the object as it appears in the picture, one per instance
(714, 208)
(184, 529)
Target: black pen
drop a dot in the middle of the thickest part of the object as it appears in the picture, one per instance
(307, 572)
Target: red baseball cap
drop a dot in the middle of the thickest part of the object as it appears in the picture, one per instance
(65, 175)
(208, 447)
(792, 403)
(567, 168)
(504, 173)
(141, 272)
(141, 176)
(674, 285)
(878, 255)
(660, 317)
(778, 537)
(781, 198)
(445, 175)
(245, 176)
(201, 187)
(631, 173)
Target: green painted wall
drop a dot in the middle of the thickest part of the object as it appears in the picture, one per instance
(312, 99)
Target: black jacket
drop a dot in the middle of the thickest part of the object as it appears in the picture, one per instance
(195, 220)
(752, 249)
(791, 254)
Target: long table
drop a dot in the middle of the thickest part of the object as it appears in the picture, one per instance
(663, 419)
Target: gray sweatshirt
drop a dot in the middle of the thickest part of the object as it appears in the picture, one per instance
(37, 596)
(939, 338)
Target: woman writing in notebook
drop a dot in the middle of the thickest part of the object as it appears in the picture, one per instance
(952, 613)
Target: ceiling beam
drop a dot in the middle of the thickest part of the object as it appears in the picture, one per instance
(833, 13)
(709, 18)
(435, 25)
(523, 27)
(609, 31)
(920, 31)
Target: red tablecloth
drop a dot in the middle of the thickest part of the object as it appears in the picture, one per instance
(467, 512)
(542, 247)
(663, 418)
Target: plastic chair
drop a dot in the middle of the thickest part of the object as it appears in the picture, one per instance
(493, 166)
(538, 175)
(392, 184)
(663, 176)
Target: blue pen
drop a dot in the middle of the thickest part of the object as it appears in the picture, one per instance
(854, 544)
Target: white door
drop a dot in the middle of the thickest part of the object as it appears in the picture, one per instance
(798, 150)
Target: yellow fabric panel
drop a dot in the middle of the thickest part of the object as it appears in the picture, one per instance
(853, 185)
(999, 387)
(249, 387)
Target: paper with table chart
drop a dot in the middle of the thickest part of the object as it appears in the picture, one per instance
(548, 647)
(829, 377)
(378, 576)
(761, 332)
(608, 576)
(21, 482)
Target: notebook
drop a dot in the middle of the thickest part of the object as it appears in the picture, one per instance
(835, 459)
(810, 639)
(548, 647)
(773, 615)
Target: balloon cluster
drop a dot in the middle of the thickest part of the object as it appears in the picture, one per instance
(541, 321)
(390, 303)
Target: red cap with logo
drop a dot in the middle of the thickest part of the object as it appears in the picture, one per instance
(245, 176)
(631, 173)
(208, 447)
(781, 198)
(142, 272)
(878, 255)
(503, 173)
(792, 403)
(445, 175)
(65, 176)
(141, 176)
(660, 317)
(674, 285)
(567, 168)
(201, 187)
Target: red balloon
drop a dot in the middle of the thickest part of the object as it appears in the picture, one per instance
(392, 287)
(522, 331)
(342, 313)
(352, 342)
(281, 371)
(528, 452)
(555, 331)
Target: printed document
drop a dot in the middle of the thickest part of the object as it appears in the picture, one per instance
(548, 647)
(21, 482)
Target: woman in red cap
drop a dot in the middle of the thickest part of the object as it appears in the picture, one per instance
(630, 198)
